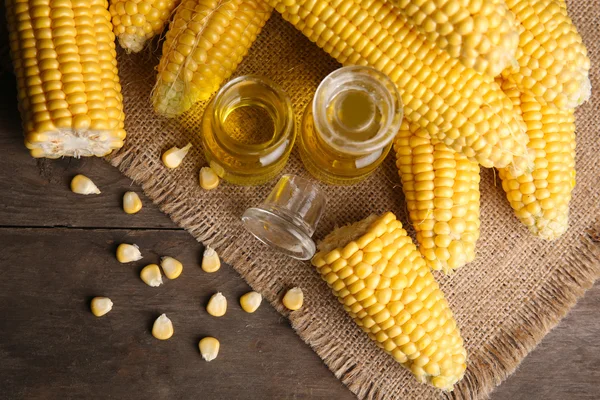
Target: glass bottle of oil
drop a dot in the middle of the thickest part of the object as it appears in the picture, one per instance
(348, 128)
(248, 130)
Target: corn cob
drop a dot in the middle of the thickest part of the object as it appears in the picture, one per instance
(378, 275)
(541, 198)
(553, 66)
(69, 94)
(465, 110)
(137, 21)
(206, 41)
(481, 34)
(441, 188)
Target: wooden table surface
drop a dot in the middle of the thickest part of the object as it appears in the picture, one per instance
(57, 252)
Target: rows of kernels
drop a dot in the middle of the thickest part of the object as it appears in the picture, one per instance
(136, 21)
(465, 110)
(441, 189)
(65, 61)
(483, 35)
(204, 44)
(398, 304)
(553, 65)
(541, 198)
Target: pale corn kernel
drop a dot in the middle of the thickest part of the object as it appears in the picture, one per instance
(173, 157)
(171, 267)
(217, 305)
(131, 203)
(162, 328)
(101, 306)
(208, 178)
(250, 301)
(128, 253)
(293, 299)
(151, 276)
(209, 348)
(210, 260)
(81, 184)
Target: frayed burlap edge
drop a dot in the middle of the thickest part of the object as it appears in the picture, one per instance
(487, 369)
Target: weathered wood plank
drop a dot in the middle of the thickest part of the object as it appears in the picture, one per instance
(566, 365)
(52, 347)
(36, 192)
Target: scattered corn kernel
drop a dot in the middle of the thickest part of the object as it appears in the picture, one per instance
(217, 305)
(101, 306)
(210, 260)
(250, 301)
(293, 299)
(162, 328)
(131, 203)
(208, 178)
(81, 184)
(128, 253)
(150, 274)
(171, 267)
(173, 157)
(209, 348)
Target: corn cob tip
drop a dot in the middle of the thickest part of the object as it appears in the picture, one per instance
(131, 43)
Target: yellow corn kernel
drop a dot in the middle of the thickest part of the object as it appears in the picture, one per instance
(552, 62)
(171, 267)
(250, 301)
(173, 157)
(131, 203)
(459, 107)
(217, 305)
(293, 299)
(205, 42)
(210, 260)
(482, 36)
(81, 184)
(128, 253)
(151, 276)
(135, 22)
(541, 197)
(209, 348)
(65, 62)
(394, 315)
(441, 188)
(208, 178)
(101, 306)
(162, 328)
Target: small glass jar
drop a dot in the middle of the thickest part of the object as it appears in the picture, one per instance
(248, 151)
(349, 127)
(288, 217)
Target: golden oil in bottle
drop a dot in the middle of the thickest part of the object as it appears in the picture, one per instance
(348, 128)
(248, 130)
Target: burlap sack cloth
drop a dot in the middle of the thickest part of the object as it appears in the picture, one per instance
(505, 301)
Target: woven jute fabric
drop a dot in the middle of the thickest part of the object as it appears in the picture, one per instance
(505, 301)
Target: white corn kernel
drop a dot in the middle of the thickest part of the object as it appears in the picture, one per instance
(131, 203)
(101, 306)
(150, 274)
(173, 157)
(81, 184)
(217, 305)
(162, 328)
(209, 348)
(293, 299)
(171, 267)
(210, 260)
(128, 253)
(208, 178)
(250, 301)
